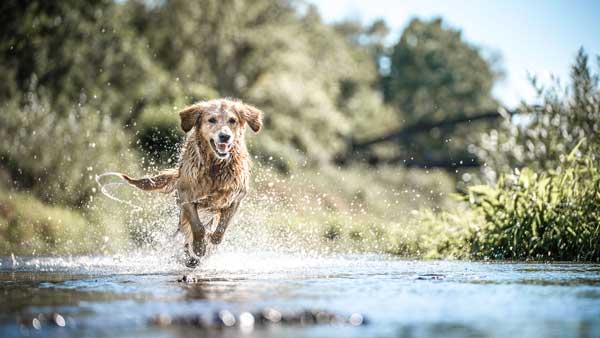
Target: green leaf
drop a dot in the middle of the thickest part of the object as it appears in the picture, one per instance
(573, 152)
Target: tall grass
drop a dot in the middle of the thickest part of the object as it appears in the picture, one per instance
(30, 227)
(48, 202)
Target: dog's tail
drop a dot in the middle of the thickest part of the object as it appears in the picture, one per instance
(163, 182)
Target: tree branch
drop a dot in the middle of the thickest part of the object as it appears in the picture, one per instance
(444, 163)
(419, 127)
(426, 126)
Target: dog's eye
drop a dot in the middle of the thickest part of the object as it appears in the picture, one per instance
(212, 120)
(232, 121)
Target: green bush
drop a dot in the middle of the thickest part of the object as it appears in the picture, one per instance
(159, 135)
(79, 52)
(57, 157)
(157, 129)
(540, 136)
(30, 227)
(435, 235)
(553, 215)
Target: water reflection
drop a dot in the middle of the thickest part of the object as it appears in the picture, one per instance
(402, 298)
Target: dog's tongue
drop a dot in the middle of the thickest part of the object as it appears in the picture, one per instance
(222, 147)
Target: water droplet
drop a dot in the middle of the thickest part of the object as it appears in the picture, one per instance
(59, 320)
(246, 322)
(355, 319)
(227, 318)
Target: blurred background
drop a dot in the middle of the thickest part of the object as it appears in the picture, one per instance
(429, 129)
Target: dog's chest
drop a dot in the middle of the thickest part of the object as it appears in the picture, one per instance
(212, 188)
(212, 195)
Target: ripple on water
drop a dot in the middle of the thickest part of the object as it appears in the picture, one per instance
(401, 297)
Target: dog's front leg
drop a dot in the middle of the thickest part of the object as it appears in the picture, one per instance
(198, 230)
(226, 217)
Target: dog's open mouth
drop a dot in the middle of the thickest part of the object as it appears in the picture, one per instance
(220, 149)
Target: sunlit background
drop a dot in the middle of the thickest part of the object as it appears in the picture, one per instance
(373, 111)
(418, 165)
(530, 38)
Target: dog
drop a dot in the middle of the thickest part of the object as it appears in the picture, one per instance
(213, 172)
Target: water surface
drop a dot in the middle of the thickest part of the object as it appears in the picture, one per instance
(118, 295)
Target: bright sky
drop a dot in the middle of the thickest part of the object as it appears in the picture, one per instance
(540, 37)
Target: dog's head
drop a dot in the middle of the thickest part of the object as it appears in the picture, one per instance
(220, 123)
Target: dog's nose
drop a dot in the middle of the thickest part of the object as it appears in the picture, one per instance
(224, 137)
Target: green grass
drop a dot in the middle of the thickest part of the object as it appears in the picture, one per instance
(31, 227)
(343, 210)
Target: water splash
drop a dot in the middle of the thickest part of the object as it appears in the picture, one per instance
(105, 191)
(291, 216)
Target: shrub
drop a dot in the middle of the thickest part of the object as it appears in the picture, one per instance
(30, 227)
(552, 215)
(435, 235)
(57, 157)
(540, 136)
(354, 209)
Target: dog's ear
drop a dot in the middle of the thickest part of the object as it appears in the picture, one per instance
(189, 116)
(253, 116)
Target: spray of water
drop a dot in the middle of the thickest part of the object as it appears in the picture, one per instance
(286, 221)
(156, 246)
(105, 191)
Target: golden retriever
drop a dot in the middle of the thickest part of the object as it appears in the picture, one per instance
(213, 172)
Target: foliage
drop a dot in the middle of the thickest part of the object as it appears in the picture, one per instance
(437, 235)
(56, 157)
(435, 75)
(78, 52)
(351, 210)
(550, 215)
(268, 53)
(542, 135)
(30, 227)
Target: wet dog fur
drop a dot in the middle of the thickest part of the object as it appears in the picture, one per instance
(213, 173)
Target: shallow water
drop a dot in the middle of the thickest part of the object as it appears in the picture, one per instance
(116, 296)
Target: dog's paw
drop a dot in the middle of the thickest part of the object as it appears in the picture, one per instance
(189, 259)
(191, 262)
(216, 238)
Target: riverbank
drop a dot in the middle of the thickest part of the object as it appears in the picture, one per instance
(407, 213)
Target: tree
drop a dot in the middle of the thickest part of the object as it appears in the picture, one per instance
(76, 52)
(435, 75)
(314, 85)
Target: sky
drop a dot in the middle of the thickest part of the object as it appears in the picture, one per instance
(538, 37)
